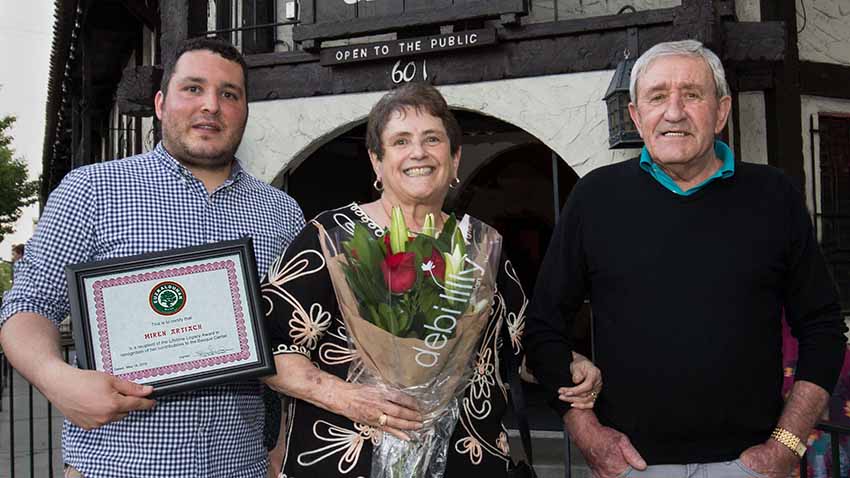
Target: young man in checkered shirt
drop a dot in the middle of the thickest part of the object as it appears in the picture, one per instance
(189, 190)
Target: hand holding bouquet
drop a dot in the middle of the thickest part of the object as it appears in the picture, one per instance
(414, 309)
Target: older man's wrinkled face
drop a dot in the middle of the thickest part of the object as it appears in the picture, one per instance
(204, 113)
(678, 112)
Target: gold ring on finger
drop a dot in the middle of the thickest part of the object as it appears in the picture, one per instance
(593, 395)
(382, 420)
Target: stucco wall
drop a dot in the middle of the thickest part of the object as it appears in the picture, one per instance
(753, 127)
(566, 112)
(825, 35)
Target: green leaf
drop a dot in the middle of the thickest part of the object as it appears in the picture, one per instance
(444, 240)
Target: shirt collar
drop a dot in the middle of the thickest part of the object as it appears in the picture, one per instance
(172, 164)
(726, 170)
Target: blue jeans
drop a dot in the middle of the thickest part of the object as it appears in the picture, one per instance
(724, 469)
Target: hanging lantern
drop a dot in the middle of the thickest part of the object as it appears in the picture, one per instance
(622, 132)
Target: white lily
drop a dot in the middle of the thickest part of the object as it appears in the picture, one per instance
(454, 263)
(428, 226)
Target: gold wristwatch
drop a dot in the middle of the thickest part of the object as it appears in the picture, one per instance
(790, 440)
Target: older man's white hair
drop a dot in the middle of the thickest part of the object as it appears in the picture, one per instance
(690, 48)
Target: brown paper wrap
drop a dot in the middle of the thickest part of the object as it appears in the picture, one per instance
(392, 358)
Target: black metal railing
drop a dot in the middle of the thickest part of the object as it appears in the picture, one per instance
(28, 450)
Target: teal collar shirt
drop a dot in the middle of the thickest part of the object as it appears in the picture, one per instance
(727, 169)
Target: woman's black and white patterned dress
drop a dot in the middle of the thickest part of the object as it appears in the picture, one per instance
(303, 318)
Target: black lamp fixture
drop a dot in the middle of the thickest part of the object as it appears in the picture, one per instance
(622, 132)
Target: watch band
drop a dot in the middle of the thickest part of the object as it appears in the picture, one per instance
(790, 440)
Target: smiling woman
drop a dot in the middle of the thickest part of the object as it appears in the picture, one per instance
(413, 143)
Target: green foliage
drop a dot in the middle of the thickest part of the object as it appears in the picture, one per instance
(16, 192)
(5, 276)
(403, 314)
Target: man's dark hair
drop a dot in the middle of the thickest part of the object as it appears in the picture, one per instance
(215, 45)
(421, 97)
(18, 249)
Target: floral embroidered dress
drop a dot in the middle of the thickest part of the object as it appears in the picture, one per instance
(303, 318)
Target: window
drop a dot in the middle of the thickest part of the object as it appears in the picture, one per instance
(833, 217)
(124, 138)
(250, 25)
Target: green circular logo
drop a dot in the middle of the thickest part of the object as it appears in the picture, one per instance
(167, 298)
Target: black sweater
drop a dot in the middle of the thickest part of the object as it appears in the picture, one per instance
(687, 294)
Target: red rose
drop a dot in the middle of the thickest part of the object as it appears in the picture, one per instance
(399, 272)
(439, 264)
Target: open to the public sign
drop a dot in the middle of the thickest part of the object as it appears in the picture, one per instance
(177, 320)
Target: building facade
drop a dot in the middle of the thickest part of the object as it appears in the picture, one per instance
(526, 78)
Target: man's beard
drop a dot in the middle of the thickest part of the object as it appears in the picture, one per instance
(196, 156)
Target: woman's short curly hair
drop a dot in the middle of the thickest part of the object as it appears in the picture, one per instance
(419, 96)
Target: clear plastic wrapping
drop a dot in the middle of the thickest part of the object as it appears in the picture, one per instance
(414, 311)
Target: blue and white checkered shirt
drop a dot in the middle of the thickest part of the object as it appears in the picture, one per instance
(142, 204)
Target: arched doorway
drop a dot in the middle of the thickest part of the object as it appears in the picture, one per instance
(509, 179)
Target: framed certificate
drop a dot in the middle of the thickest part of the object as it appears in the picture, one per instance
(176, 320)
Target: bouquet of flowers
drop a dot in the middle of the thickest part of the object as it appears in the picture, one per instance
(414, 309)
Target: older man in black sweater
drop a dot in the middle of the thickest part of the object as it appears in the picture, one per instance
(689, 260)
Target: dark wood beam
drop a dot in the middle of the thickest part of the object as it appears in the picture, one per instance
(643, 18)
(568, 46)
(825, 79)
(174, 18)
(750, 75)
(284, 58)
(699, 20)
(583, 52)
(782, 103)
(374, 25)
(143, 13)
(754, 41)
(593, 26)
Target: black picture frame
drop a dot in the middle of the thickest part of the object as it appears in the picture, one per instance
(82, 280)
